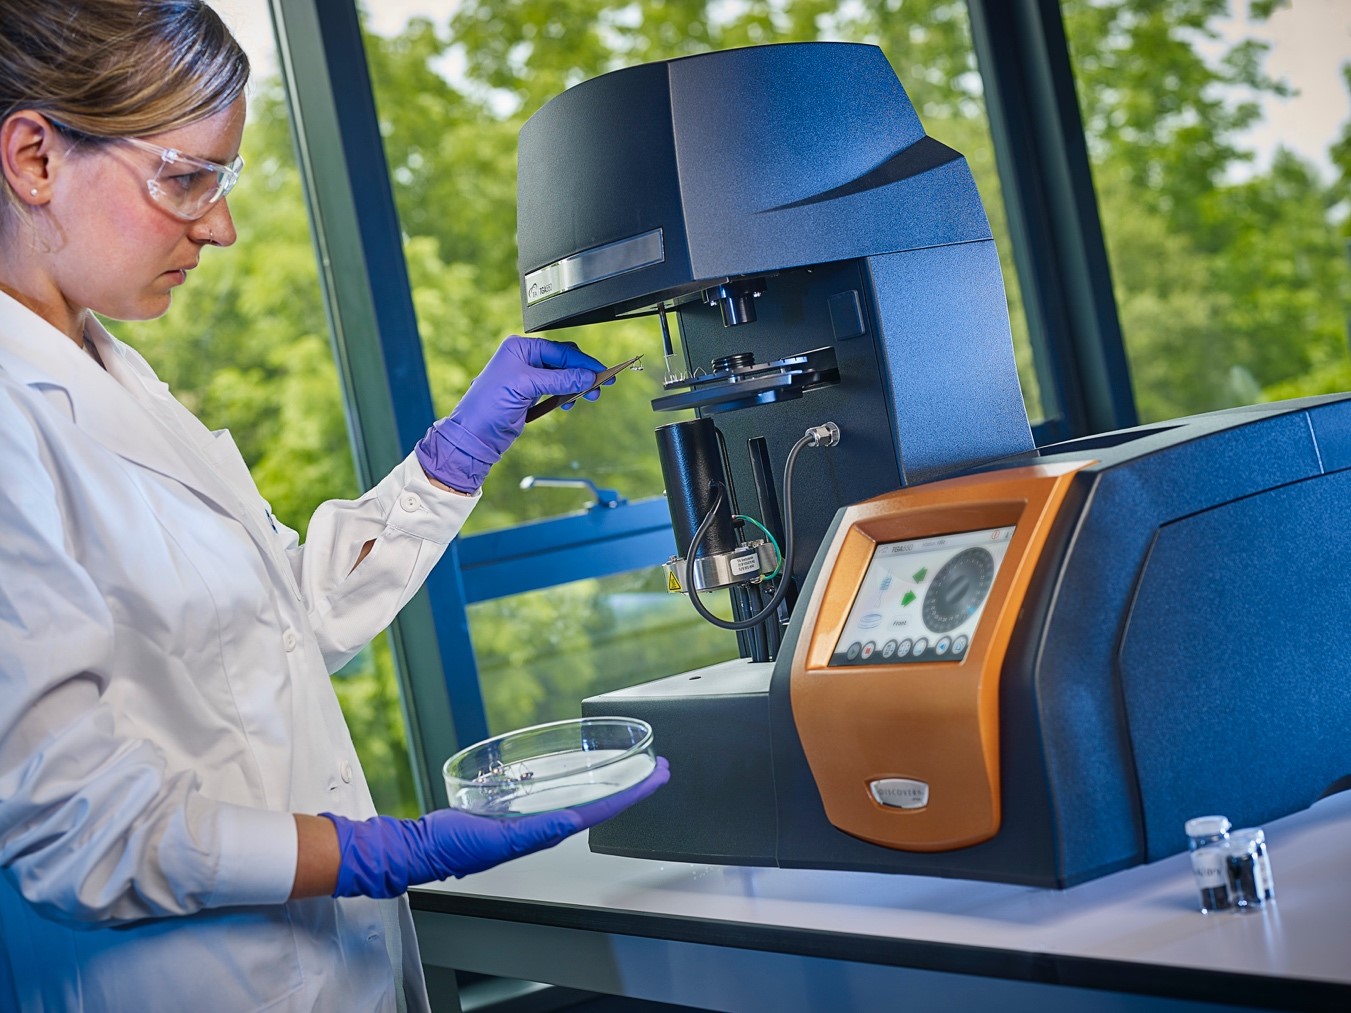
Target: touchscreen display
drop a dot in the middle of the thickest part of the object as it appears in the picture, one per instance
(921, 599)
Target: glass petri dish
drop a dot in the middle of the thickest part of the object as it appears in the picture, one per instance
(551, 766)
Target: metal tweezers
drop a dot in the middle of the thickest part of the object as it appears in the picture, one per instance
(548, 404)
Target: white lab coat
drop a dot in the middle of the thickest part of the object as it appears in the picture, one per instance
(165, 700)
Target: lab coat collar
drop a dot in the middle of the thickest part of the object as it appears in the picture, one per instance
(115, 407)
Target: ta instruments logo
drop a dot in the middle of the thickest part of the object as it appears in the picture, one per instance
(900, 792)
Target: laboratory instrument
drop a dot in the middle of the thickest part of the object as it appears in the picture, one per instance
(961, 654)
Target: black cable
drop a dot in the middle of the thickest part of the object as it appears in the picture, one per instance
(782, 589)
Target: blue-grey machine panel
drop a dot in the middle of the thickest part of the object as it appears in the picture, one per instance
(1178, 648)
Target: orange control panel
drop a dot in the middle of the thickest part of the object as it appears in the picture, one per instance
(895, 688)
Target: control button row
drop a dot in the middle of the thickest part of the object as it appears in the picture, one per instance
(907, 648)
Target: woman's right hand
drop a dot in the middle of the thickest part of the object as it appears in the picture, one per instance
(458, 450)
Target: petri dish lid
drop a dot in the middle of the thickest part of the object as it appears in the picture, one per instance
(551, 766)
(1206, 826)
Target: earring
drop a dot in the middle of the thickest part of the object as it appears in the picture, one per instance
(34, 191)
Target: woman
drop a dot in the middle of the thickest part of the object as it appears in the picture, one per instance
(183, 821)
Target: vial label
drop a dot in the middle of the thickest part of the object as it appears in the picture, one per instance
(1208, 864)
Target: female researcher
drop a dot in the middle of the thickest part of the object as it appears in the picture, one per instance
(183, 821)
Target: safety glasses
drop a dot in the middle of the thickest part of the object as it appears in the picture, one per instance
(184, 185)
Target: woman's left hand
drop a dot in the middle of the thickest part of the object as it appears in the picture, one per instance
(459, 450)
(384, 856)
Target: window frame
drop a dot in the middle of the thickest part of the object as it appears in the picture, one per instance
(1056, 234)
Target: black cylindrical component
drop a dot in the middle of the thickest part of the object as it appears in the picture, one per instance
(736, 300)
(690, 465)
(737, 308)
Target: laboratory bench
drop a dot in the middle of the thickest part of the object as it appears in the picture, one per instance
(739, 938)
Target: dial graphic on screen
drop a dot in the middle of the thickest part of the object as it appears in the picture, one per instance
(958, 589)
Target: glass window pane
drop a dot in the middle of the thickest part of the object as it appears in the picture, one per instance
(246, 348)
(540, 654)
(1221, 146)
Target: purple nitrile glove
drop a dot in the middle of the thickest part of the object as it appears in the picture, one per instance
(384, 856)
(460, 449)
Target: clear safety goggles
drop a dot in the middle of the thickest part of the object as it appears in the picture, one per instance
(186, 186)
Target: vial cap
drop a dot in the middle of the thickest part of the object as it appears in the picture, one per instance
(1255, 835)
(1206, 826)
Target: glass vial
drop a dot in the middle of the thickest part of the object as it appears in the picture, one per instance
(1248, 869)
(1206, 837)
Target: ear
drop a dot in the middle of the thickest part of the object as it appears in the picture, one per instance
(29, 154)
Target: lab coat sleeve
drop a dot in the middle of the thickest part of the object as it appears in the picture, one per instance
(410, 522)
(94, 827)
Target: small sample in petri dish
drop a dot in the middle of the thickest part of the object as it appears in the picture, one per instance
(551, 766)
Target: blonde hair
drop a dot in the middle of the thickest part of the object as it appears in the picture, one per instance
(117, 68)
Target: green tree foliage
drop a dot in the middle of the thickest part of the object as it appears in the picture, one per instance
(1333, 373)
(1230, 286)
(1341, 158)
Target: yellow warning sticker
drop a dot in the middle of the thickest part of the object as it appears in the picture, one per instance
(673, 582)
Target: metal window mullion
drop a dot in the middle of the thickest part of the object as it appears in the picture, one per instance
(368, 299)
(1053, 214)
(599, 543)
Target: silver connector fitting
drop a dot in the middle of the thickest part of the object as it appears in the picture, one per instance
(825, 435)
(746, 564)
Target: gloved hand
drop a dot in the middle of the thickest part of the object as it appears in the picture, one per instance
(384, 856)
(460, 449)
